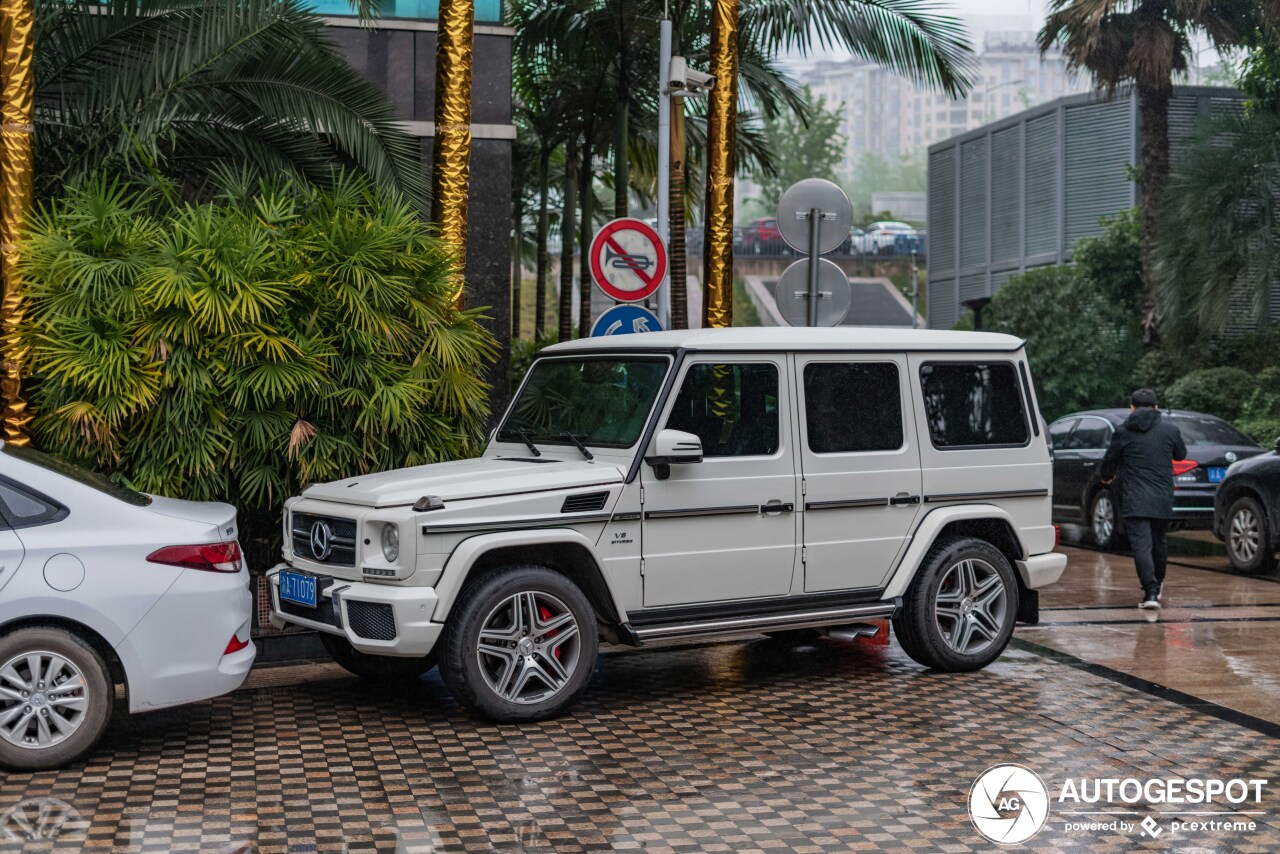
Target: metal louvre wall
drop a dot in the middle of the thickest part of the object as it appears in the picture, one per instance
(1006, 193)
(1019, 192)
(1099, 147)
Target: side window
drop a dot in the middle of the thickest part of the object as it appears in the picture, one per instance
(971, 404)
(1093, 434)
(852, 406)
(23, 509)
(732, 408)
(1059, 433)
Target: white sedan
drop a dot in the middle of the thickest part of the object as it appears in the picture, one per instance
(100, 586)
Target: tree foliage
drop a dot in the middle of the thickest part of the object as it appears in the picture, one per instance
(242, 349)
(809, 145)
(175, 88)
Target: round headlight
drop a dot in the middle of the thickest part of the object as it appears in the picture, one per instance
(390, 542)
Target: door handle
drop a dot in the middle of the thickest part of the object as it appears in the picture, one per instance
(775, 507)
(903, 499)
(1089, 464)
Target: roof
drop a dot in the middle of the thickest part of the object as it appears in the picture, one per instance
(797, 338)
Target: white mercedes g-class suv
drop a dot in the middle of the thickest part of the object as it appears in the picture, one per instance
(690, 484)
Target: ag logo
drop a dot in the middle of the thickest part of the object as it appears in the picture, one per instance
(1008, 804)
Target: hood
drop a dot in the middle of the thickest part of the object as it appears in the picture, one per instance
(1142, 419)
(461, 479)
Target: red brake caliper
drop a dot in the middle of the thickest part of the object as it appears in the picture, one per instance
(544, 613)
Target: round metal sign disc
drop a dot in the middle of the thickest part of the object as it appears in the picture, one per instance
(835, 295)
(800, 199)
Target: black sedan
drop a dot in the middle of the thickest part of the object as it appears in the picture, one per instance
(1079, 497)
(1246, 512)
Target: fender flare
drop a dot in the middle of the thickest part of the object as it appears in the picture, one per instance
(922, 539)
(457, 568)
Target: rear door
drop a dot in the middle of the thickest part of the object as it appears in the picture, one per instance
(860, 467)
(1089, 444)
(1065, 499)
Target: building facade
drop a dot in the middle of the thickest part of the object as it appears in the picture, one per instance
(1018, 193)
(397, 52)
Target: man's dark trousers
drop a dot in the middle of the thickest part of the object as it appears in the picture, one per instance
(1150, 552)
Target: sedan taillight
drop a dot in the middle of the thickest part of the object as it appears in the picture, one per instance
(209, 557)
(1183, 466)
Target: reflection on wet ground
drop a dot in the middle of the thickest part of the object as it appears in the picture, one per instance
(1216, 637)
(735, 747)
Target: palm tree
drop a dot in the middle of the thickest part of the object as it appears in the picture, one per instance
(179, 87)
(1144, 43)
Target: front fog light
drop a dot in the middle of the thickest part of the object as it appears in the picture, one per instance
(390, 543)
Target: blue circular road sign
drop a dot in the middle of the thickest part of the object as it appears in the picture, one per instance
(625, 319)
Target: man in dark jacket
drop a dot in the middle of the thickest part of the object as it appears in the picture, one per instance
(1142, 453)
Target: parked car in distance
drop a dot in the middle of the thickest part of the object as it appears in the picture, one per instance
(1080, 440)
(762, 237)
(881, 237)
(104, 586)
(646, 488)
(1246, 512)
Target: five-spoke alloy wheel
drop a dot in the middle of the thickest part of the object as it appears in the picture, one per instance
(55, 698)
(520, 644)
(1105, 528)
(959, 611)
(1248, 535)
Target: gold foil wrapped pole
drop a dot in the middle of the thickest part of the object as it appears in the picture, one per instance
(722, 121)
(451, 152)
(17, 49)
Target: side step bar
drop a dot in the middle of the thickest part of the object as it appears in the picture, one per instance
(766, 622)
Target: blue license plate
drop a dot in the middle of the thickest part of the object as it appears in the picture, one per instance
(1217, 473)
(298, 588)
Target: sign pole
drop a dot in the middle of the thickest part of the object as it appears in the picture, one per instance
(815, 225)
(664, 158)
(915, 290)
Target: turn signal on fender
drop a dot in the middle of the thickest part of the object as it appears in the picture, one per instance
(209, 557)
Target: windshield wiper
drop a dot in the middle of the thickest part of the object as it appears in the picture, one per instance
(577, 443)
(523, 436)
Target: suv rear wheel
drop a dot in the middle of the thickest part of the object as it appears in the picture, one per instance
(959, 611)
(375, 668)
(520, 645)
(56, 696)
(1249, 536)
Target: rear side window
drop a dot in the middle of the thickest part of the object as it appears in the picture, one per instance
(852, 406)
(26, 509)
(973, 404)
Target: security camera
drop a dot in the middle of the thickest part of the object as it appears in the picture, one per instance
(687, 81)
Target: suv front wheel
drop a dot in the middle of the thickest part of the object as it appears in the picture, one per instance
(959, 611)
(520, 645)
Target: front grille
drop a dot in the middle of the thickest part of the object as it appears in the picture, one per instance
(371, 620)
(339, 535)
(584, 502)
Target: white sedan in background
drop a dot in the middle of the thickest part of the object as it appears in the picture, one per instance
(100, 586)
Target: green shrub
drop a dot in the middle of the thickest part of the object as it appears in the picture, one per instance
(524, 350)
(1082, 346)
(240, 350)
(1223, 392)
(1265, 431)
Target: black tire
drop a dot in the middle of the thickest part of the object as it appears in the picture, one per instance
(98, 692)
(1247, 534)
(1112, 540)
(489, 599)
(375, 668)
(918, 625)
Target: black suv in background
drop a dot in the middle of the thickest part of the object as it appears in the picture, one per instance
(1246, 512)
(1080, 440)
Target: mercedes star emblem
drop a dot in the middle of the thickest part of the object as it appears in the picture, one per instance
(321, 540)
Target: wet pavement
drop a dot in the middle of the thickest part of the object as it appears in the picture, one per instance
(739, 746)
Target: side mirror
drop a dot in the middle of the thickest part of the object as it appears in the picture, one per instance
(1278, 445)
(673, 447)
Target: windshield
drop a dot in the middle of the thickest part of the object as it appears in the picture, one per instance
(603, 400)
(1207, 430)
(79, 475)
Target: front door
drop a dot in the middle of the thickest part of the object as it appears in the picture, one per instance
(724, 528)
(860, 467)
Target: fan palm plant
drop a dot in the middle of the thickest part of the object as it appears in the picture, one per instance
(175, 87)
(242, 349)
(1145, 43)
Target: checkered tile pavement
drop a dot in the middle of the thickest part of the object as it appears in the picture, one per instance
(735, 747)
